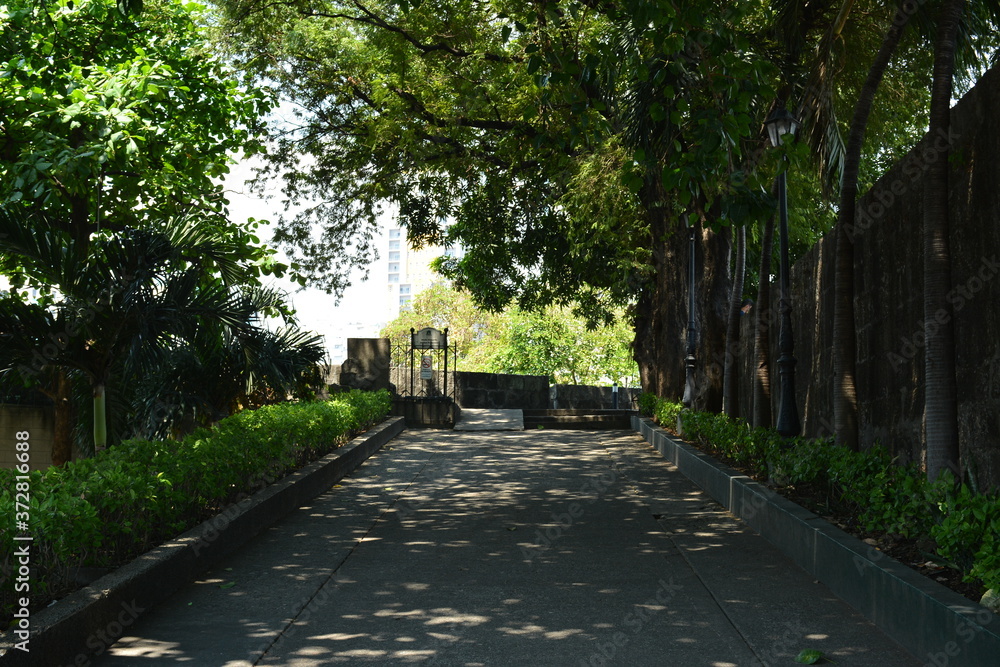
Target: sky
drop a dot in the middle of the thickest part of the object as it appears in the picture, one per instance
(361, 312)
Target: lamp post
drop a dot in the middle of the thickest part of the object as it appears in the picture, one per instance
(692, 332)
(778, 124)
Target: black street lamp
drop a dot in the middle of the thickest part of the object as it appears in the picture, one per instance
(779, 124)
(692, 332)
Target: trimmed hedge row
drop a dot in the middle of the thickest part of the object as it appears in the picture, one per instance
(105, 510)
(881, 494)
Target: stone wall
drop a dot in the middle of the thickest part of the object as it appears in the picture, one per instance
(889, 299)
(367, 364)
(494, 391)
(39, 422)
(586, 397)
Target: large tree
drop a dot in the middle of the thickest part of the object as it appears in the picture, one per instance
(564, 139)
(112, 120)
(120, 301)
(115, 124)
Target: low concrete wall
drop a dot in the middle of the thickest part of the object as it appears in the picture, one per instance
(501, 392)
(39, 422)
(586, 397)
(924, 617)
(432, 412)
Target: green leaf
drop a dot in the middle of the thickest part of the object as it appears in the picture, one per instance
(809, 656)
(228, 584)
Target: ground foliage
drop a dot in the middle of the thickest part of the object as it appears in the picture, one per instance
(105, 510)
(945, 530)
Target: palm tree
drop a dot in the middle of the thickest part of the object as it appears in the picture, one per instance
(223, 369)
(845, 407)
(940, 393)
(116, 306)
(817, 105)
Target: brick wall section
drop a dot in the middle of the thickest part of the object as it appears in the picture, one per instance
(586, 397)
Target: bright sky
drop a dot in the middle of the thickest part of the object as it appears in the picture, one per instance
(362, 311)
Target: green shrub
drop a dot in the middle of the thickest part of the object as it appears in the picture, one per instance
(879, 492)
(107, 509)
(666, 413)
(647, 404)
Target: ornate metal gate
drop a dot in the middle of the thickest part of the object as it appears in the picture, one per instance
(431, 374)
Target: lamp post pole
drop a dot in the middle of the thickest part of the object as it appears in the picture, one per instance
(692, 332)
(780, 123)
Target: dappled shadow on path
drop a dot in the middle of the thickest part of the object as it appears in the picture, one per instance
(533, 548)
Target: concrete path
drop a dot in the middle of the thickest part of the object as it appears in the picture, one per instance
(471, 419)
(511, 548)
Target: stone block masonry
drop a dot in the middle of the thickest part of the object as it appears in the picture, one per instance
(39, 421)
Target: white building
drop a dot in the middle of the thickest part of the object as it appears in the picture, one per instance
(410, 270)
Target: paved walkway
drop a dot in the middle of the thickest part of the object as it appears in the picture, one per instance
(472, 419)
(507, 548)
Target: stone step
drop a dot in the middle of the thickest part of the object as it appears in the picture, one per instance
(578, 419)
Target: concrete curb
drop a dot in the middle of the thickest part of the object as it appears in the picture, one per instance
(90, 620)
(927, 619)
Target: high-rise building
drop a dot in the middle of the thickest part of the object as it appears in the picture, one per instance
(410, 270)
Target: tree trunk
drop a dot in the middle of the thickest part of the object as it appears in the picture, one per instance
(730, 382)
(940, 401)
(100, 418)
(845, 404)
(713, 291)
(762, 407)
(62, 441)
(647, 321)
(58, 388)
(661, 317)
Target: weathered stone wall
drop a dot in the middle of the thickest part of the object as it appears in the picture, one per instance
(39, 422)
(367, 364)
(586, 397)
(889, 299)
(493, 391)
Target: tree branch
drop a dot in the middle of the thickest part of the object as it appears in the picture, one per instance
(372, 19)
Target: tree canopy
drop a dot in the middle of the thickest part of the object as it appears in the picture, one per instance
(568, 142)
(116, 124)
(550, 342)
(115, 120)
(542, 131)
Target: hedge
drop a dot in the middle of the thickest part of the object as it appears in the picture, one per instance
(105, 510)
(882, 494)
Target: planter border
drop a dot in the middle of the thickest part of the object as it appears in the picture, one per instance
(932, 622)
(88, 621)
